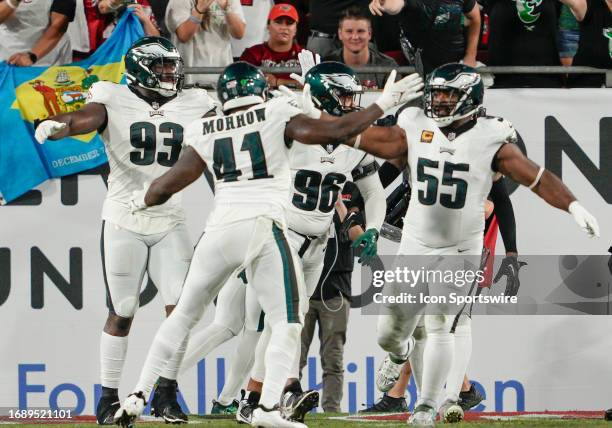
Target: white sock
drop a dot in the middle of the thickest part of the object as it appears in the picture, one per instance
(437, 360)
(112, 357)
(172, 368)
(240, 367)
(203, 342)
(169, 338)
(259, 366)
(463, 352)
(416, 358)
(284, 340)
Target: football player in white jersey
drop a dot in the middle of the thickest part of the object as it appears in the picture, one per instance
(317, 175)
(453, 154)
(142, 125)
(248, 151)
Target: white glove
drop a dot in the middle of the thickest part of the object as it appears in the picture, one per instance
(585, 220)
(137, 201)
(400, 92)
(47, 129)
(304, 102)
(307, 61)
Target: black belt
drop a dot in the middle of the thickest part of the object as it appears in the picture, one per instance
(314, 33)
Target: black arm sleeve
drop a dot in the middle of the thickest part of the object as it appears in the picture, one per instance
(388, 173)
(505, 214)
(65, 7)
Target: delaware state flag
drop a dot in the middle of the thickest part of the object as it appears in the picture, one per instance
(28, 94)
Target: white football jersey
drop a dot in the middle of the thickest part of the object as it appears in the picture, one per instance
(248, 156)
(450, 177)
(142, 143)
(317, 175)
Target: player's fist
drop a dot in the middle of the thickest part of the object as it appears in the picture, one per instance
(400, 92)
(137, 201)
(46, 129)
(585, 220)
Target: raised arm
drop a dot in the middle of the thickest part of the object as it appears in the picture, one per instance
(392, 7)
(511, 162)
(324, 131)
(317, 131)
(92, 117)
(387, 142)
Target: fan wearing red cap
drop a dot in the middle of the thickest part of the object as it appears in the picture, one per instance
(281, 49)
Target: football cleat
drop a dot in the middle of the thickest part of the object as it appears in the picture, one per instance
(388, 371)
(106, 409)
(272, 418)
(132, 408)
(165, 405)
(423, 416)
(450, 412)
(220, 409)
(470, 399)
(388, 405)
(295, 405)
(245, 409)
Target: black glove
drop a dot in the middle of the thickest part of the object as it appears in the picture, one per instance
(510, 267)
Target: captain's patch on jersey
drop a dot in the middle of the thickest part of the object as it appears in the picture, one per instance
(427, 137)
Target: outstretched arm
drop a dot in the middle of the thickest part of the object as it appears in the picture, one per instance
(387, 142)
(324, 131)
(185, 171)
(511, 162)
(92, 117)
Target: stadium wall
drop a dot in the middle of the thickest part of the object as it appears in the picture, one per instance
(52, 292)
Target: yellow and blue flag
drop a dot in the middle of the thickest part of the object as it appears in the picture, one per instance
(29, 94)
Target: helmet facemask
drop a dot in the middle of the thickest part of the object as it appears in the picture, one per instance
(343, 94)
(447, 102)
(165, 75)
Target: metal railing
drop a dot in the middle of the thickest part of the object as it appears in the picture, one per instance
(410, 69)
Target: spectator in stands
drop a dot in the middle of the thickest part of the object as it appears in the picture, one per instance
(523, 36)
(569, 34)
(436, 28)
(330, 303)
(34, 33)
(142, 10)
(355, 33)
(323, 19)
(281, 49)
(201, 31)
(595, 46)
(256, 18)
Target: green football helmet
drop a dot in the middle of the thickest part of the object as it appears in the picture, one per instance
(154, 64)
(332, 84)
(453, 92)
(241, 84)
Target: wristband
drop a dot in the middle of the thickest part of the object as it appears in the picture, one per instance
(357, 142)
(33, 56)
(195, 20)
(195, 6)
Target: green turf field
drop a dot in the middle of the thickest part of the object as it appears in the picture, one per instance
(329, 421)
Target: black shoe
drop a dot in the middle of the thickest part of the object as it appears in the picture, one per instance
(470, 399)
(295, 405)
(388, 405)
(165, 405)
(107, 407)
